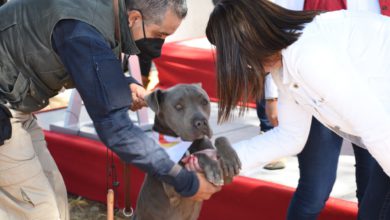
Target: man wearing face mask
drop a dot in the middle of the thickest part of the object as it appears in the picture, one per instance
(150, 49)
(70, 44)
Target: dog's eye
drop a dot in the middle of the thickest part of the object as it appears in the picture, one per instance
(205, 102)
(178, 107)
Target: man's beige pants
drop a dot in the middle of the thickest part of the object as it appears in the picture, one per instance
(31, 186)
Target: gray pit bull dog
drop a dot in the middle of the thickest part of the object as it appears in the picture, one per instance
(183, 111)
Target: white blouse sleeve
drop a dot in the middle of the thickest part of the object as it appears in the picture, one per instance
(287, 139)
(328, 71)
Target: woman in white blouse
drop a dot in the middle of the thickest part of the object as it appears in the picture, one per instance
(334, 66)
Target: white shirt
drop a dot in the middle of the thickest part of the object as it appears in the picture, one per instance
(364, 5)
(339, 72)
(270, 89)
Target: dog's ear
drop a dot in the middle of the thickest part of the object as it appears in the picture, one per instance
(154, 99)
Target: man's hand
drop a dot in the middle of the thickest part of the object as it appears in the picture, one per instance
(138, 94)
(206, 189)
(271, 110)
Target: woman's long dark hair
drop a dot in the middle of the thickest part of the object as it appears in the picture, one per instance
(247, 34)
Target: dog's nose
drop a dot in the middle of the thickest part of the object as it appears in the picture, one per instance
(200, 123)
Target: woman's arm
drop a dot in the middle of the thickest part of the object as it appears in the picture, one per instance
(285, 140)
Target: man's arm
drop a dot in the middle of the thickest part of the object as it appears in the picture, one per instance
(103, 87)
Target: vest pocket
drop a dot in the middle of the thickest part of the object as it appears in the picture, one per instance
(37, 97)
(18, 91)
(25, 95)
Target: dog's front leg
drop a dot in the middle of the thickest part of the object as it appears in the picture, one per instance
(230, 163)
(211, 168)
(207, 161)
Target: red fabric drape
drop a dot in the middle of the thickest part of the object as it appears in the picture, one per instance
(326, 5)
(332, 5)
(184, 64)
(385, 7)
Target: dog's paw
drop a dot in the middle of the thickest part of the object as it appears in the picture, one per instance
(211, 169)
(230, 163)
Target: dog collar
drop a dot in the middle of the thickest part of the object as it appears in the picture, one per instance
(174, 146)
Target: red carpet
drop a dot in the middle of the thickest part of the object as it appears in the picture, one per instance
(82, 163)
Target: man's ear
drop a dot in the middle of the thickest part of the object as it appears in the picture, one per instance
(133, 16)
(154, 100)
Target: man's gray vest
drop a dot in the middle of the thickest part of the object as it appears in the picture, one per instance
(30, 71)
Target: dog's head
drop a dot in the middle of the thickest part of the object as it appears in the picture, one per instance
(182, 110)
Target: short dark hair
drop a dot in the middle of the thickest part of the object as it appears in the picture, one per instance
(154, 10)
(247, 34)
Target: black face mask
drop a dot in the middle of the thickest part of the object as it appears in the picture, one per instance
(150, 47)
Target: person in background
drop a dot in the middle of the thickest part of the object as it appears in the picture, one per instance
(309, 56)
(145, 66)
(266, 110)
